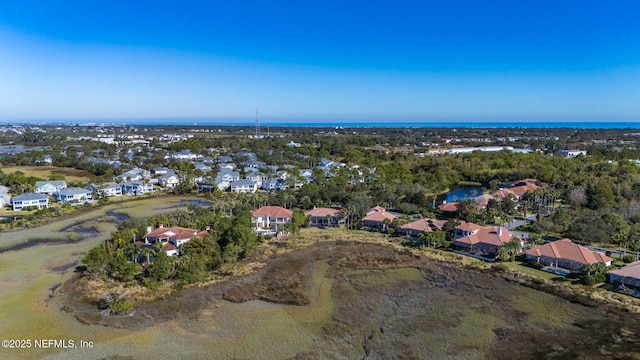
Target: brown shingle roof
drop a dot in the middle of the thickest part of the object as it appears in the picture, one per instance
(566, 249)
(273, 211)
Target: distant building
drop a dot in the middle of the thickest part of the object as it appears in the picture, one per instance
(50, 187)
(74, 196)
(271, 216)
(107, 189)
(40, 201)
(324, 217)
(571, 153)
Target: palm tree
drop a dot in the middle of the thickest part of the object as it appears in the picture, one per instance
(148, 251)
(133, 251)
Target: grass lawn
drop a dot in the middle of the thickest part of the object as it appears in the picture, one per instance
(44, 172)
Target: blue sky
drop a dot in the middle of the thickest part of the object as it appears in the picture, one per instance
(296, 60)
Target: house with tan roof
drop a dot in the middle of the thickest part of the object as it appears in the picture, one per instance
(627, 276)
(176, 236)
(566, 254)
(324, 217)
(269, 217)
(378, 218)
(419, 226)
(481, 241)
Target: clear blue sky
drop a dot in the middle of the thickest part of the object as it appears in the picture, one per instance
(309, 60)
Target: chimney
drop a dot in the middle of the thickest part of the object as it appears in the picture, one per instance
(160, 226)
(207, 228)
(499, 231)
(149, 229)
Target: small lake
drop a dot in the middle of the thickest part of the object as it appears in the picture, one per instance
(462, 193)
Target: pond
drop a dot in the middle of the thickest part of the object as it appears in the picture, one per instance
(462, 193)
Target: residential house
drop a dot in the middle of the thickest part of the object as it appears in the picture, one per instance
(225, 177)
(449, 207)
(175, 236)
(627, 276)
(414, 229)
(27, 200)
(324, 217)
(160, 171)
(571, 153)
(135, 174)
(107, 189)
(293, 144)
(483, 241)
(206, 185)
(565, 254)
(50, 187)
(74, 195)
(169, 180)
(257, 177)
(378, 218)
(244, 186)
(183, 155)
(269, 217)
(273, 184)
(133, 188)
(227, 166)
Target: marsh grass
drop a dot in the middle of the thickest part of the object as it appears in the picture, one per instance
(44, 172)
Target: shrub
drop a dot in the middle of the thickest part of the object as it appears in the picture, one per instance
(121, 306)
(628, 258)
(589, 280)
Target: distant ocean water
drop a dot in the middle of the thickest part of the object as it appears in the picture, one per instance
(524, 124)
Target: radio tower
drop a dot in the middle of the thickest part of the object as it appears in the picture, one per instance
(257, 125)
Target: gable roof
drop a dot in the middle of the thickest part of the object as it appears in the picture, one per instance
(30, 196)
(322, 212)
(273, 211)
(566, 249)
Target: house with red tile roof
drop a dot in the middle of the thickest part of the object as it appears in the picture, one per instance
(325, 217)
(566, 254)
(377, 219)
(503, 194)
(176, 236)
(521, 190)
(419, 226)
(479, 240)
(450, 207)
(269, 217)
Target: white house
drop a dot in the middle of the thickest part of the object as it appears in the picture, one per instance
(50, 187)
(225, 178)
(41, 201)
(135, 174)
(74, 196)
(107, 189)
(136, 188)
(244, 186)
(169, 180)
